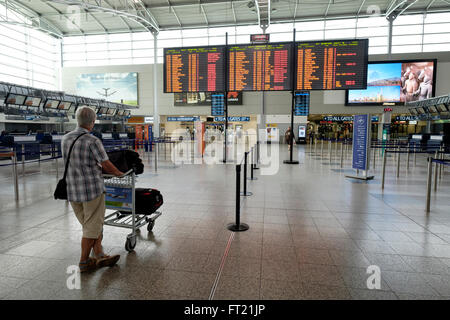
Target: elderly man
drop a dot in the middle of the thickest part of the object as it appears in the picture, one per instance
(85, 187)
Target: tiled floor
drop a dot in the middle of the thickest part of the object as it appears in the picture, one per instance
(312, 235)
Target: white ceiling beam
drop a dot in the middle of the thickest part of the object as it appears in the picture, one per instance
(328, 8)
(172, 9)
(39, 21)
(143, 16)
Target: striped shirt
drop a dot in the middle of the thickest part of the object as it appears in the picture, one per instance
(84, 175)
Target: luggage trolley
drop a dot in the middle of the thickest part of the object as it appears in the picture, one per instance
(120, 196)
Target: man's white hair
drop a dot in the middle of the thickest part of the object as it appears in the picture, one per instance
(85, 116)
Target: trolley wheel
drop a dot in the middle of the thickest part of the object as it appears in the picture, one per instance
(130, 244)
(151, 224)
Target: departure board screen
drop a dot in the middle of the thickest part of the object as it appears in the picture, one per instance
(332, 65)
(301, 103)
(264, 67)
(217, 104)
(194, 69)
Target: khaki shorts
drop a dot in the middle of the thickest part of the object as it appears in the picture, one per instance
(91, 215)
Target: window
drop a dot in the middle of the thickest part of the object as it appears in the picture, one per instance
(28, 56)
(137, 48)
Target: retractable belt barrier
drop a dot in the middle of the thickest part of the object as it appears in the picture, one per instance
(431, 160)
(238, 226)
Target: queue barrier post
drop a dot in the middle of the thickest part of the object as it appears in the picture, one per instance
(245, 193)
(429, 177)
(252, 165)
(321, 149)
(407, 158)
(436, 170)
(156, 158)
(342, 154)
(398, 161)
(23, 159)
(238, 226)
(383, 175)
(15, 175)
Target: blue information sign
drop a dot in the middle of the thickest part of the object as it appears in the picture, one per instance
(232, 119)
(361, 138)
(301, 103)
(185, 119)
(217, 104)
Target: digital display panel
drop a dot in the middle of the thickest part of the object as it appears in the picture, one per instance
(32, 101)
(102, 110)
(301, 103)
(301, 131)
(194, 69)
(64, 105)
(218, 104)
(263, 67)
(332, 65)
(111, 111)
(433, 109)
(395, 83)
(442, 108)
(182, 99)
(51, 104)
(15, 99)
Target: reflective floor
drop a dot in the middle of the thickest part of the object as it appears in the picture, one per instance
(313, 234)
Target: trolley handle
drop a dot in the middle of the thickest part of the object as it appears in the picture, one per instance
(122, 176)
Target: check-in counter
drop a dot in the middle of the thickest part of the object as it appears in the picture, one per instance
(29, 145)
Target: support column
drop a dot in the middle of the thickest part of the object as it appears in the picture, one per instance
(155, 86)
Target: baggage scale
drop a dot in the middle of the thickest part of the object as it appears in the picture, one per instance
(120, 196)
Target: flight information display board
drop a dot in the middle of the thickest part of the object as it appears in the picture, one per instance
(263, 67)
(197, 69)
(301, 103)
(332, 65)
(217, 104)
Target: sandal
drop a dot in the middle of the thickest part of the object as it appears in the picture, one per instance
(88, 265)
(107, 261)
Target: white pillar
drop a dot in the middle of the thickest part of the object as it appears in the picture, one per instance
(155, 86)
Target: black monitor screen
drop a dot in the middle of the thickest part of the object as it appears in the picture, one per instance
(15, 99)
(194, 69)
(32, 101)
(102, 110)
(51, 104)
(442, 108)
(421, 110)
(433, 109)
(332, 65)
(64, 105)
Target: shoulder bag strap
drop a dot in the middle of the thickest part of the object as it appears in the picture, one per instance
(70, 152)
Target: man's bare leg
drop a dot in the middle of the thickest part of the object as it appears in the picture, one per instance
(86, 246)
(97, 247)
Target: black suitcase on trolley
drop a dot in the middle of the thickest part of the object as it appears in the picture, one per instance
(147, 201)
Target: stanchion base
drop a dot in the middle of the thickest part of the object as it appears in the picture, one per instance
(238, 228)
(255, 168)
(290, 162)
(246, 194)
(360, 177)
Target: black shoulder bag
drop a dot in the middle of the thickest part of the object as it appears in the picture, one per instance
(61, 188)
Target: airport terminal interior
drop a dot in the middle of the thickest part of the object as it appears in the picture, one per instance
(291, 149)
